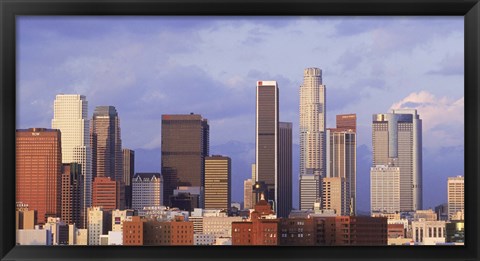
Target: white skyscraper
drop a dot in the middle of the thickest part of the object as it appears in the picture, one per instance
(385, 189)
(397, 141)
(71, 118)
(312, 130)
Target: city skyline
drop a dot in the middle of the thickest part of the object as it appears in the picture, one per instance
(439, 98)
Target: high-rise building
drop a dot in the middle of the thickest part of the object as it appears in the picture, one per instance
(107, 143)
(397, 140)
(385, 189)
(456, 196)
(218, 182)
(284, 169)
(72, 194)
(147, 190)
(266, 138)
(70, 116)
(95, 225)
(312, 130)
(309, 190)
(248, 194)
(185, 144)
(333, 191)
(341, 150)
(106, 194)
(38, 169)
(128, 173)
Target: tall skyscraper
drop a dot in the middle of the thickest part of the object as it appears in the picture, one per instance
(107, 143)
(266, 138)
(185, 144)
(72, 194)
(456, 195)
(341, 150)
(147, 190)
(218, 182)
(312, 130)
(385, 189)
(70, 116)
(285, 170)
(128, 173)
(248, 194)
(397, 141)
(38, 169)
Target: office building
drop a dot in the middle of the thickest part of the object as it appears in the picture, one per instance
(120, 216)
(187, 198)
(25, 218)
(106, 194)
(284, 169)
(334, 191)
(72, 194)
(185, 144)
(38, 173)
(397, 140)
(70, 116)
(267, 138)
(95, 225)
(385, 193)
(309, 190)
(312, 131)
(456, 196)
(341, 149)
(128, 173)
(147, 190)
(248, 194)
(218, 182)
(428, 232)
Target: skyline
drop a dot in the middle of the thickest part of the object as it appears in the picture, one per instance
(127, 55)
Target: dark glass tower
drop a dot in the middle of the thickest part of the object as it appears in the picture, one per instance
(285, 170)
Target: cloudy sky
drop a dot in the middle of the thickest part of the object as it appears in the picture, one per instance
(149, 66)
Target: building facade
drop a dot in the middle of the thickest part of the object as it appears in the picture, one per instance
(38, 171)
(312, 130)
(147, 190)
(284, 170)
(185, 144)
(95, 225)
(397, 140)
(334, 195)
(456, 196)
(70, 116)
(128, 173)
(106, 194)
(267, 137)
(72, 194)
(309, 190)
(248, 194)
(385, 189)
(218, 182)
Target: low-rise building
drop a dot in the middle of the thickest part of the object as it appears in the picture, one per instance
(428, 232)
(36, 236)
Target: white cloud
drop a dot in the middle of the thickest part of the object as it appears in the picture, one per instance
(442, 118)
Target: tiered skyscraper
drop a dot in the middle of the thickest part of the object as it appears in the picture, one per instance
(341, 148)
(70, 116)
(266, 138)
(312, 136)
(185, 144)
(397, 142)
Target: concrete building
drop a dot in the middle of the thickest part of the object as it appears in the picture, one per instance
(38, 170)
(128, 173)
(147, 190)
(312, 133)
(115, 238)
(428, 232)
(106, 193)
(218, 182)
(284, 169)
(24, 218)
(95, 225)
(185, 144)
(341, 149)
(203, 240)
(120, 216)
(385, 192)
(428, 215)
(310, 184)
(187, 198)
(70, 116)
(335, 195)
(37, 236)
(397, 141)
(248, 194)
(59, 231)
(72, 194)
(219, 226)
(455, 195)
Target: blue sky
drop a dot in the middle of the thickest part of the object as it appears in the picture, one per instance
(149, 66)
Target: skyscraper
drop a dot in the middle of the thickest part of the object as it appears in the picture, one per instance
(248, 194)
(284, 170)
(147, 190)
(72, 194)
(341, 150)
(397, 141)
(218, 182)
(385, 189)
(107, 143)
(456, 195)
(334, 191)
(266, 138)
(309, 190)
(70, 116)
(106, 194)
(128, 172)
(185, 144)
(312, 130)
(38, 169)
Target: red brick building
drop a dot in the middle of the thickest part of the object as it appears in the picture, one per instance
(360, 230)
(133, 231)
(259, 230)
(38, 171)
(106, 193)
(297, 232)
(396, 231)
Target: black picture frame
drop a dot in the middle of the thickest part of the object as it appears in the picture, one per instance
(9, 9)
